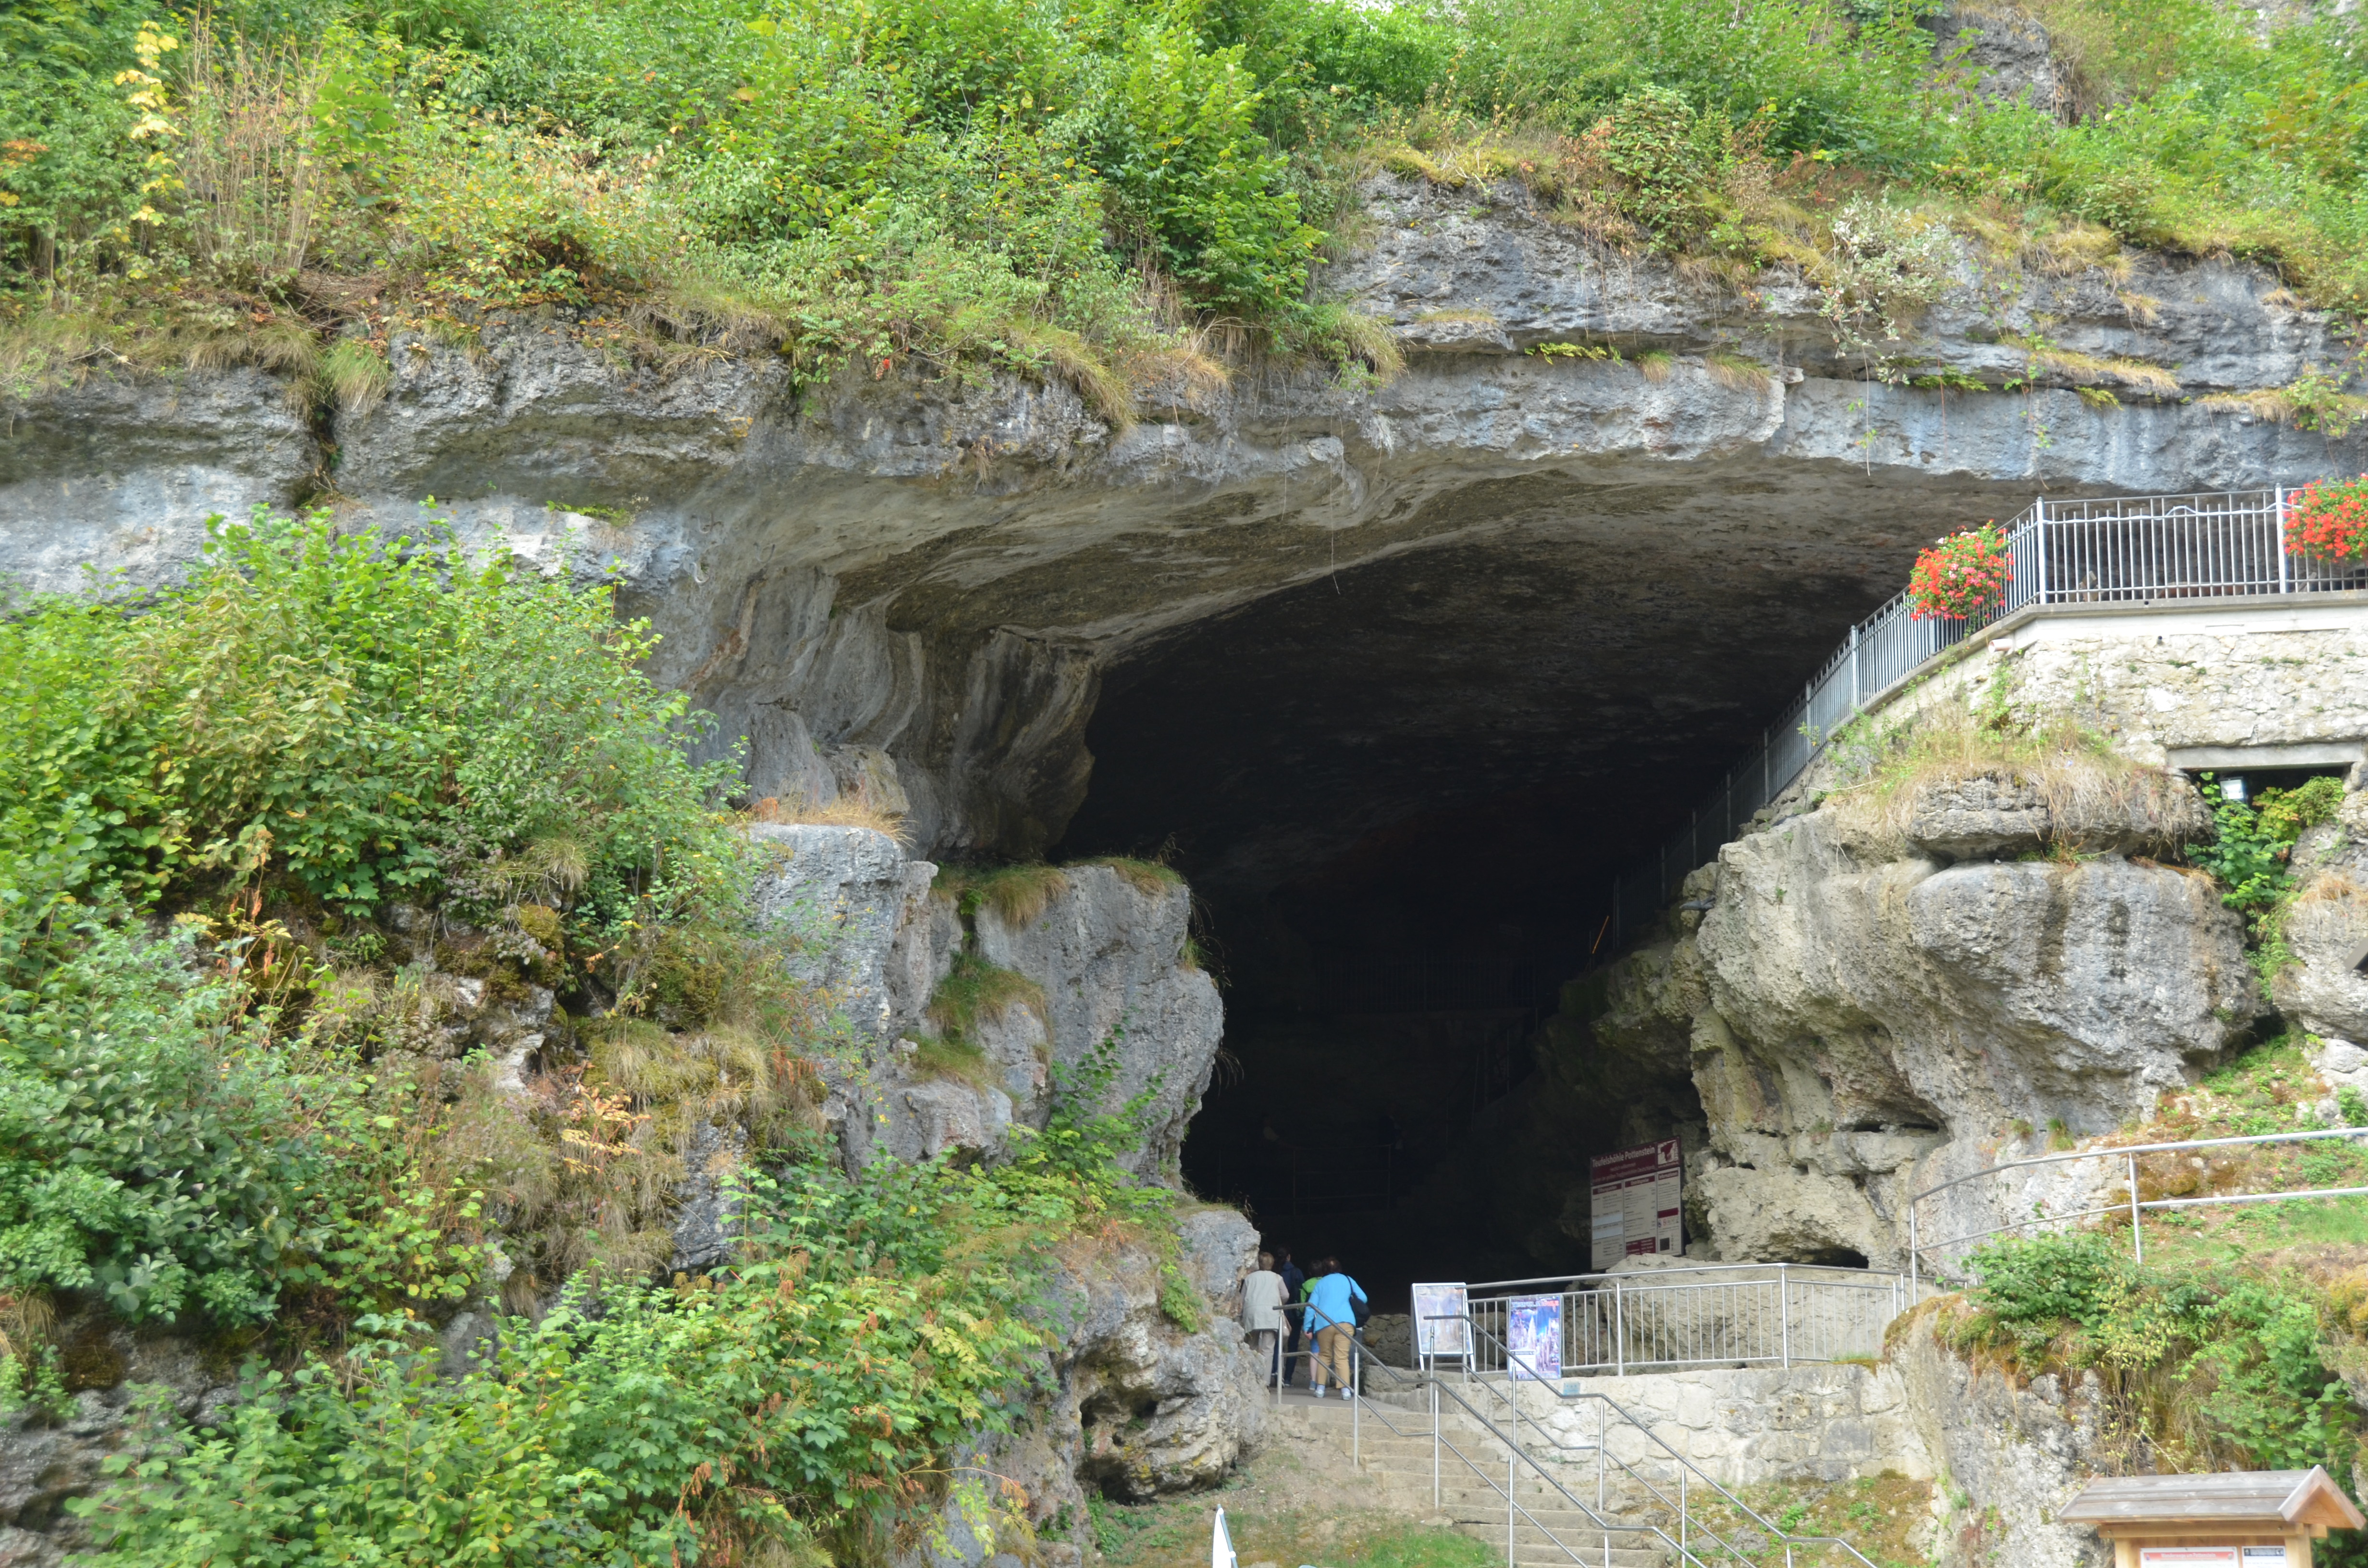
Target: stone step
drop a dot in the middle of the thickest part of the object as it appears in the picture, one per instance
(1544, 1554)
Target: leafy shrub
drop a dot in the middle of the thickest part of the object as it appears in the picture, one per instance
(1181, 149)
(157, 1150)
(376, 720)
(148, 1149)
(2202, 1366)
(2250, 855)
(808, 1395)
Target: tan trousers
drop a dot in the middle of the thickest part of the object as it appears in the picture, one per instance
(1332, 1343)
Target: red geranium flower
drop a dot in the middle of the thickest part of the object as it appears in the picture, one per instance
(2329, 520)
(1963, 576)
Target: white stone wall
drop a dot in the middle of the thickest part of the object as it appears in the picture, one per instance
(1837, 1421)
(2166, 683)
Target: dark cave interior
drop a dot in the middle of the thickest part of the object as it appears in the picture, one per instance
(1400, 794)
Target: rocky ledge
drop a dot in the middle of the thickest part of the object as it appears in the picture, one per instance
(915, 588)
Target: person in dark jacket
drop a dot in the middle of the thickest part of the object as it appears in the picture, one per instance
(1294, 1282)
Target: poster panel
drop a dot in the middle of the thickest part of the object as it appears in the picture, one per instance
(1637, 1196)
(2190, 1556)
(1440, 1321)
(1533, 1338)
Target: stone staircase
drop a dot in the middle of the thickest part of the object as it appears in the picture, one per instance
(1552, 1535)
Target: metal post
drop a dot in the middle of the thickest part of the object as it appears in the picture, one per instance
(1599, 1455)
(2278, 539)
(1911, 1252)
(1619, 1331)
(1784, 1309)
(1356, 1405)
(2137, 1235)
(1853, 645)
(1512, 1557)
(1434, 1445)
(2039, 532)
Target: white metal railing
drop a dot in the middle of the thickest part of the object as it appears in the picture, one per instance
(1653, 1497)
(2134, 550)
(1730, 1314)
(1665, 1492)
(1933, 1258)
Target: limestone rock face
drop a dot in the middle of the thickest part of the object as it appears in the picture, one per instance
(1978, 818)
(2325, 989)
(1162, 1410)
(912, 589)
(1139, 1407)
(1107, 952)
(43, 1465)
(2001, 815)
(1874, 1023)
(2015, 1455)
(859, 913)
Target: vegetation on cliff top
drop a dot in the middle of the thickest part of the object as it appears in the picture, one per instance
(2240, 1339)
(1114, 194)
(278, 844)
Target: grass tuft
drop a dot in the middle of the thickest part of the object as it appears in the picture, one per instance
(355, 374)
(1741, 374)
(1143, 876)
(974, 992)
(1018, 894)
(842, 811)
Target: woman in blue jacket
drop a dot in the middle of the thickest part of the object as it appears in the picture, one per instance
(1333, 1320)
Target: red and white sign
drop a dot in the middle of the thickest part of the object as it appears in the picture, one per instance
(2191, 1556)
(1637, 1200)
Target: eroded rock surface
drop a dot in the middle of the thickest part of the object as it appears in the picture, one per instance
(1138, 1406)
(2009, 1456)
(914, 590)
(110, 1370)
(1107, 952)
(1863, 1019)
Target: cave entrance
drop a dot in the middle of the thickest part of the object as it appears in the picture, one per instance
(1401, 793)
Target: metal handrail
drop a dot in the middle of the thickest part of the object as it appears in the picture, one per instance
(2136, 1207)
(1656, 1293)
(1571, 1279)
(1598, 1524)
(2129, 550)
(1685, 1466)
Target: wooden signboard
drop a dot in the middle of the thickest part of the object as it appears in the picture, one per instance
(2261, 1519)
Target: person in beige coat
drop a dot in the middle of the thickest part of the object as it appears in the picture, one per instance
(1262, 1295)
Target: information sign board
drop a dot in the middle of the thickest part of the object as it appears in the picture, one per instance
(1441, 1328)
(1637, 1197)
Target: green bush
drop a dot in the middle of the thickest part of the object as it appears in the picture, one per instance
(2211, 1365)
(150, 1148)
(808, 1395)
(2250, 854)
(159, 1151)
(377, 721)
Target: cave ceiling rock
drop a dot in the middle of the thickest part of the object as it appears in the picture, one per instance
(941, 569)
